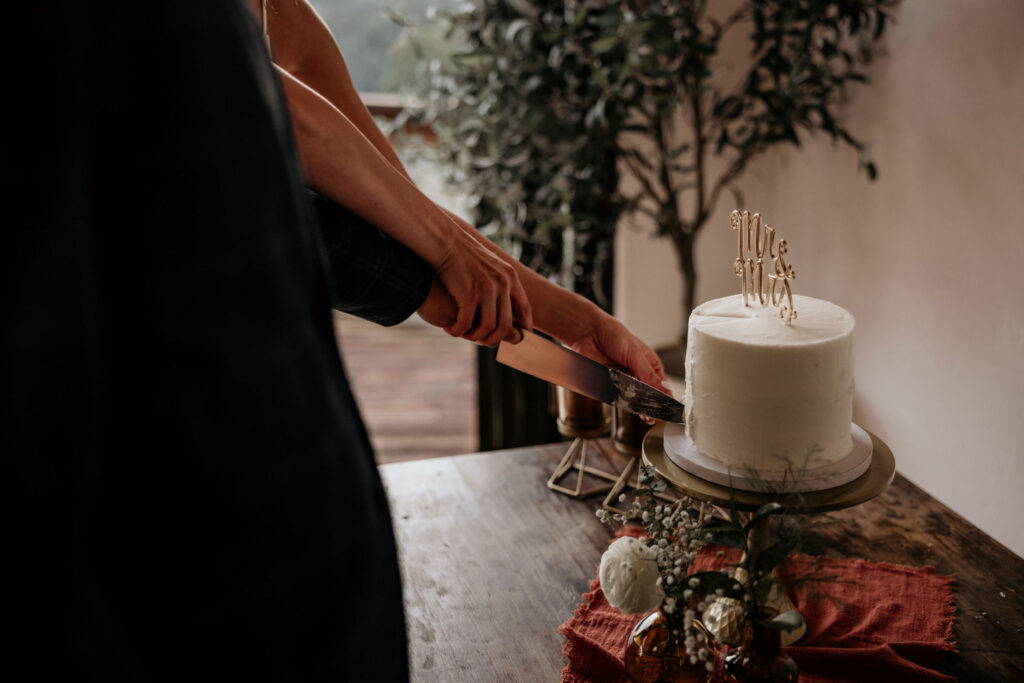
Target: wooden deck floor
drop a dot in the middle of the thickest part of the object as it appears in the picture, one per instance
(415, 385)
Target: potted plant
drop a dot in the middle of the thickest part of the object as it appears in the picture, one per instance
(544, 109)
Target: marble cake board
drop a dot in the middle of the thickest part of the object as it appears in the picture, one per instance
(682, 451)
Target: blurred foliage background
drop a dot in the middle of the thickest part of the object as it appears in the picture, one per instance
(561, 118)
(376, 47)
(558, 118)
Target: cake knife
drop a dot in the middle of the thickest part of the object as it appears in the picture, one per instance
(554, 363)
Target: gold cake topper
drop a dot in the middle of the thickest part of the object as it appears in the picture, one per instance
(754, 244)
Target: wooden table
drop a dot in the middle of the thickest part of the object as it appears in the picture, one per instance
(493, 562)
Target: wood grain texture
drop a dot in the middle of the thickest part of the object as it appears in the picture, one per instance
(493, 562)
(415, 385)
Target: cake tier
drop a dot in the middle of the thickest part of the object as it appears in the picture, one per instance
(764, 395)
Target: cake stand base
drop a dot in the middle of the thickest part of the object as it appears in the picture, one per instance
(681, 450)
(872, 482)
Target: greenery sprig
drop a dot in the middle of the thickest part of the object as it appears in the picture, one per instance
(679, 531)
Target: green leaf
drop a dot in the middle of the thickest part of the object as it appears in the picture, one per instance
(631, 31)
(787, 621)
(604, 44)
(515, 27)
(762, 512)
(724, 534)
(397, 18)
(524, 7)
(605, 20)
(772, 556)
(595, 115)
(709, 582)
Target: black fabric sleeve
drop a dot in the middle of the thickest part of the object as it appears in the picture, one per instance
(375, 276)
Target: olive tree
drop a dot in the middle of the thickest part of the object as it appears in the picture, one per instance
(545, 108)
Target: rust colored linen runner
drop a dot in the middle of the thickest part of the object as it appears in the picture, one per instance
(866, 621)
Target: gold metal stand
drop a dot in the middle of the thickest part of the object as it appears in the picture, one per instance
(628, 433)
(576, 459)
(585, 420)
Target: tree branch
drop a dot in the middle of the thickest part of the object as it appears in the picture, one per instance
(700, 214)
(735, 18)
(734, 169)
(642, 178)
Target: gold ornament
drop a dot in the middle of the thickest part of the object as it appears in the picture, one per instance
(725, 618)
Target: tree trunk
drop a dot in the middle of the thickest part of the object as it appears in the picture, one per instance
(672, 357)
(684, 251)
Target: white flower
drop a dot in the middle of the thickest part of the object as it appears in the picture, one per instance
(629, 576)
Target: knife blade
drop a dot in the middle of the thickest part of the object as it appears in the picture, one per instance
(554, 363)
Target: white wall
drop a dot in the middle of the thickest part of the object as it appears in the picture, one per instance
(929, 258)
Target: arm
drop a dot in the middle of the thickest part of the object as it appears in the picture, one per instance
(574, 321)
(343, 165)
(584, 327)
(307, 55)
(580, 324)
(304, 47)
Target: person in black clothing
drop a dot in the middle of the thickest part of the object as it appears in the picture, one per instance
(189, 491)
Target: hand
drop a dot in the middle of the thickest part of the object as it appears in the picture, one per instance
(607, 341)
(439, 307)
(487, 292)
(610, 343)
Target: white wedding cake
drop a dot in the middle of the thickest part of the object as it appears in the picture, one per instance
(764, 395)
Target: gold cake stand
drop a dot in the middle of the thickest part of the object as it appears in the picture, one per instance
(865, 487)
(862, 489)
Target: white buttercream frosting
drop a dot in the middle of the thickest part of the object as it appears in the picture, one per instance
(765, 395)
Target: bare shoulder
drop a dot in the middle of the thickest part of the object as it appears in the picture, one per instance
(256, 6)
(295, 30)
(285, 10)
(277, 11)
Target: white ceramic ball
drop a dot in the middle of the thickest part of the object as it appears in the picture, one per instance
(629, 576)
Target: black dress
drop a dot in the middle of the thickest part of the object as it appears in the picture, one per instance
(188, 490)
